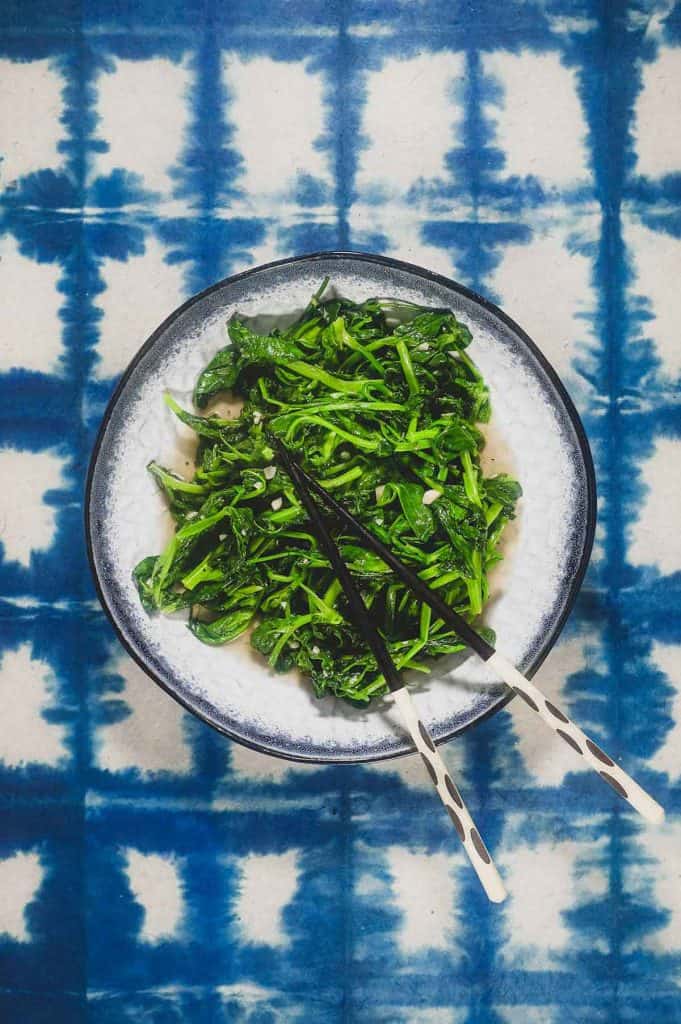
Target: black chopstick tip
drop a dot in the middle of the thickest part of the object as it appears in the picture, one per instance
(280, 449)
(274, 442)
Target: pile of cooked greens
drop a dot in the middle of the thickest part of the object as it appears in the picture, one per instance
(380, 402)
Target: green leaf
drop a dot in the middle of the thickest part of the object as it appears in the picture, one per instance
(418, 515)
(223, 630)
(504, 490)
(143, 574)
(261, 349)
(220, 375)
(205, 426)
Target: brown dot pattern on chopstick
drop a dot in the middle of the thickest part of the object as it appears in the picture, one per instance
(456, 821)
(597, 752)
(453, 791)
(569, 740)
(556, 712)
(480, 847)
(425, 736)
(528, 700)
(430, 768)
(617, 786)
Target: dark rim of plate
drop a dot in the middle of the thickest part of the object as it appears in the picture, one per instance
(440, 279)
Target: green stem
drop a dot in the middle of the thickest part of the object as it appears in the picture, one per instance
(407, 367)
(344, 478)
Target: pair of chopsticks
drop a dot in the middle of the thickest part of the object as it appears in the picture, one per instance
(552, 715)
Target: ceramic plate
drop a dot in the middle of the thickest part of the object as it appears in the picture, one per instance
(535, 434)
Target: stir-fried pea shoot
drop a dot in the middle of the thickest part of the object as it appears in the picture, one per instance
(380, 402)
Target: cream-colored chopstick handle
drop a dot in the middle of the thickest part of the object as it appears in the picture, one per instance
(571, 734)
(451, 798)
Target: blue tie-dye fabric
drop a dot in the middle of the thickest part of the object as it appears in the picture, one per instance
(149, 870)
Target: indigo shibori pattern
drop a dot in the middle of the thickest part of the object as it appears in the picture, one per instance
(151, 871)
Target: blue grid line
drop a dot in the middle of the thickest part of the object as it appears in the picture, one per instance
(625, 605)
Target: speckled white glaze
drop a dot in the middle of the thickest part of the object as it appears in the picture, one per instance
(530, 436)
